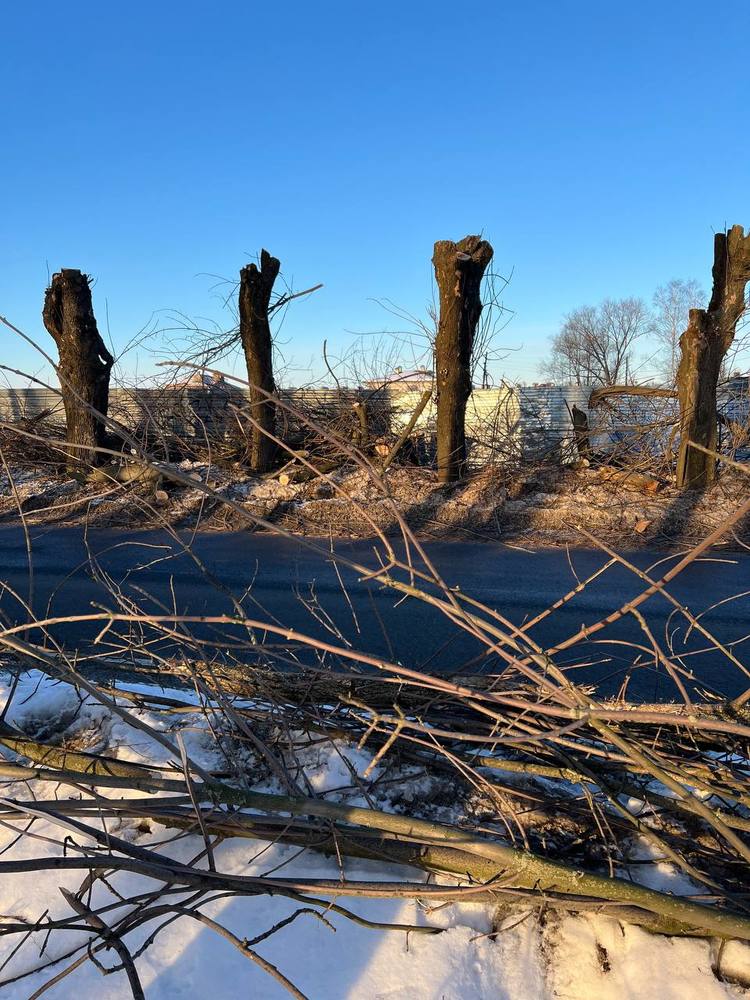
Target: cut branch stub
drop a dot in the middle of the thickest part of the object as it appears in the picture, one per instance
(84, 362)
(703, 346)
(459, 269)
(256, 286)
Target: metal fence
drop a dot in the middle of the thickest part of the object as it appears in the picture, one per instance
(503, 425)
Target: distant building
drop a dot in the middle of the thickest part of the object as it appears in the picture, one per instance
(203, 379)
(401, 380)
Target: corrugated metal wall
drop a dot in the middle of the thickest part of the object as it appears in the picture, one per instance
(17, 404)
(545, 425)
(503, 424)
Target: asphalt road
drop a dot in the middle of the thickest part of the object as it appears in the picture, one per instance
(286, 579)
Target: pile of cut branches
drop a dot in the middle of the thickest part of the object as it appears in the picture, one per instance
(541, 791)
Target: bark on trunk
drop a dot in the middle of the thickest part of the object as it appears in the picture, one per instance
(256, 285)
(85, 363)
(459, 268)
(703, 346)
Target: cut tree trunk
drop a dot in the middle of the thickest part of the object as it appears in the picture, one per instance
(361, 432)
(256, 285)
(459, 269)
(84, 363)
(703, 346)
(581, 432)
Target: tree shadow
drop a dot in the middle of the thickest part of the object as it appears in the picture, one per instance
(675, 523)
(331, 957)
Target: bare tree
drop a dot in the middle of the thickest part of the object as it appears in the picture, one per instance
(703, 346)
(85, 363)
(672, 303)
(595, 344)
(459, 269)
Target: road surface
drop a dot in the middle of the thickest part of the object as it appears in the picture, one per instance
(281, 572)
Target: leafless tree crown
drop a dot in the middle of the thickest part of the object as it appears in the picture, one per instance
(596, 345)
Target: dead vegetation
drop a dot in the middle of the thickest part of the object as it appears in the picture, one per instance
(300, 459)
(520, 786)
(543, 506)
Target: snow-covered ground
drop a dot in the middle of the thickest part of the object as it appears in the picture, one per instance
(575, 957)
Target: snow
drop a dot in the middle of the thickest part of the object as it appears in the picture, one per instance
(585, 957)
(658, 874)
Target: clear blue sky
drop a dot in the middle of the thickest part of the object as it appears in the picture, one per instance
(596, 145)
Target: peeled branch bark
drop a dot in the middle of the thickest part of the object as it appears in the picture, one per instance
(459, 269)
(256, 285)
(598, 396)
(85, 363)
(636, 480)
(703, 346)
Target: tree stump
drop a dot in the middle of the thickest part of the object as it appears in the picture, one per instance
(703, 346)
(256, 285)
(581, 432)
(459, 269)
(84, 363)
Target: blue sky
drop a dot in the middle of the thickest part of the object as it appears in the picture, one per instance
(597, 146)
